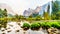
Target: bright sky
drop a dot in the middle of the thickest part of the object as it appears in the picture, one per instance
(19, 6)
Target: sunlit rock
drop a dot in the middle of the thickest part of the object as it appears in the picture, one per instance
(2, 29)
(17, 30)
(53, 30)
(9, 30)
(3, 33)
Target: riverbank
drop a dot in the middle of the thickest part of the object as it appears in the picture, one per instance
(15, 28)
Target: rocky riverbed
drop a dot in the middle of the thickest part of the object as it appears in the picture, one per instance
(15, 28)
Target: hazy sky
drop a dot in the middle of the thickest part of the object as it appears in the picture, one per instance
(19, 6)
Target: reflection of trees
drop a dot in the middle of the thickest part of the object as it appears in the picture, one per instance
(3, 23)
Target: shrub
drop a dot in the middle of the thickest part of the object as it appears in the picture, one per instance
(56, 25)
(35, 26)
(26, 26)
(46, 25)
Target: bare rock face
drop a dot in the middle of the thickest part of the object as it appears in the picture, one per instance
(53, 31)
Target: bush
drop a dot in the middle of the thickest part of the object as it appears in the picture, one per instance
(35, 26)
(56, 25)
(46, 25)
(26, 26)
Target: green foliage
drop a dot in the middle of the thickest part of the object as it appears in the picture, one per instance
(3, 23)
(26, 26)
(19, 17)
(3, 13)
(46, 25)
(55, 15)
(35, 26)
(3, 18)
(46, 16)
(38, 18)
(56, 25)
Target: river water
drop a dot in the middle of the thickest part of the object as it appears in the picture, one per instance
(13, 27)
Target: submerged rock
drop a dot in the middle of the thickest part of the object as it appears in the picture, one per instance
(9, 30)
(2, 29)
(3, 33)
(17, 30)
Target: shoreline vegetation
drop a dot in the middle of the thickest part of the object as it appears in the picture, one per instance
(51, 27)
(4, 21)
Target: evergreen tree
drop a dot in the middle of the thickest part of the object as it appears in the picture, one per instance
(5, 13)
(55, 10)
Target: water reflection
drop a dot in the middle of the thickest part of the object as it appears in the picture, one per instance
(3, 23)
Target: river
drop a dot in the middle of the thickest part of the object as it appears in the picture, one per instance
(14, 28)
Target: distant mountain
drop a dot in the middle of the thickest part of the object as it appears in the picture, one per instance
(40, 10)
(28, 12)
(31, 11)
